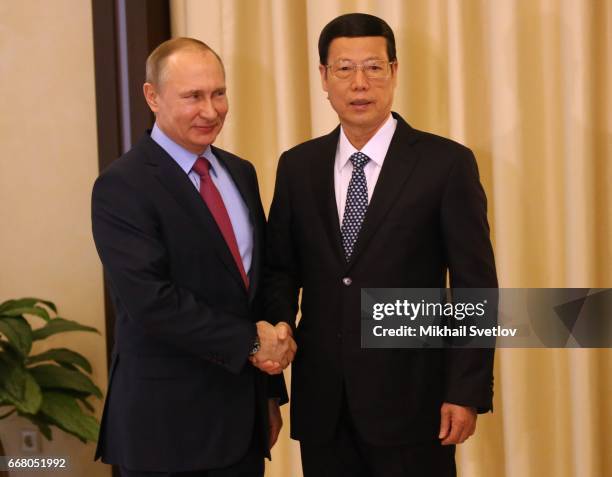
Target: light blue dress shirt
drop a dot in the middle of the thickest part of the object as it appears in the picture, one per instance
(234, 203)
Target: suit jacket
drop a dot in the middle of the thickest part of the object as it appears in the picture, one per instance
(181, 393)
(427, 216)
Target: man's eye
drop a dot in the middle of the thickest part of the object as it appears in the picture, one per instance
(345, 68)
(374, 67)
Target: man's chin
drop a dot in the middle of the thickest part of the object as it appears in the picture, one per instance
(360, 120)
(204, 140)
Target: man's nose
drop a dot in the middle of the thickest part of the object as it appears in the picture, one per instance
(207, 110)
(360, 80)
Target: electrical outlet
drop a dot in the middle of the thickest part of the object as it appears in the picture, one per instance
(30, 441)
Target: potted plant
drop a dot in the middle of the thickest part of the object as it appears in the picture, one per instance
(51, 388)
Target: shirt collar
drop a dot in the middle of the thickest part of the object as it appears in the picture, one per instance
(376, 148)
(184, 158)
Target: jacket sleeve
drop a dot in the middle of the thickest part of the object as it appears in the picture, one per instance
(469, 372)
(276, 383)
(282, 275)
(132, 250)
(277, 388)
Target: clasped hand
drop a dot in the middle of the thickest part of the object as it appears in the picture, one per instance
(277, 347)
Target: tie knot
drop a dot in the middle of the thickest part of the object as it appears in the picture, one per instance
(359, 159)
(201, 166)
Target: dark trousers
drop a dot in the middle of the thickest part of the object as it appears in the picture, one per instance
(252, 465)
(349, 455)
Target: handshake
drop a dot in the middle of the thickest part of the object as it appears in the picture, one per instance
(276, 347)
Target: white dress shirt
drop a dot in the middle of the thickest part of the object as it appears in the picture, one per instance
(376, 149)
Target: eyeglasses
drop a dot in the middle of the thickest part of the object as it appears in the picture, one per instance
(375, 69)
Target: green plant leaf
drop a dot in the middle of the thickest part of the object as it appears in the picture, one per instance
(87, 405)
(18, 332)
(4, 400)
(33, 310)
(9, 354)
(82, 397)
(59, 325)
(12, 381)
(68, 366)
(46, 394)
(33, 396)
(50, 376)
(62, 356)
(19, 388)
(63, 411)
(26, 302)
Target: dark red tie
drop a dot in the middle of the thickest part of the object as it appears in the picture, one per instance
(214, 201)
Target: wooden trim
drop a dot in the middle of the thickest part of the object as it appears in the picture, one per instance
(106, 76)
(147, 25)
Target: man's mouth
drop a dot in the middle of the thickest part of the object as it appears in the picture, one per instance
(205, 127)
(360, 105)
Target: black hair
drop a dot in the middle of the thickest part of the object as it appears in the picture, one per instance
(353, 25)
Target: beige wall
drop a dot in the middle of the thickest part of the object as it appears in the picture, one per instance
(48, 161)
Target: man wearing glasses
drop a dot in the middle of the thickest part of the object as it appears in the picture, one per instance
(375, 203)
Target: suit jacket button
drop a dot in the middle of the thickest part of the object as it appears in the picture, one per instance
(347, 281)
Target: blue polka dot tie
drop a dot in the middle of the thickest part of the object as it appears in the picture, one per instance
(356, 204)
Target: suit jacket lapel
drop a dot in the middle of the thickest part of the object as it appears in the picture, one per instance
(322, 179)
(252, 202)
(399, 162)
(174, 180)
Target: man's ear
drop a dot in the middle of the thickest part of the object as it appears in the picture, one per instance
(151, 96)
(323, 71)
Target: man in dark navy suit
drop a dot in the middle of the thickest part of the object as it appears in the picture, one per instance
(179, 227)
(375, 203)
